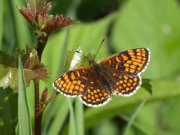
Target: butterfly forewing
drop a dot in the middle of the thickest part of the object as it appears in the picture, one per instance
(73, 82)
(131, 61)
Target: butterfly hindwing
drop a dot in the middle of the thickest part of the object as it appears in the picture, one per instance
(125, 85)
(73, 82)
(95, 94)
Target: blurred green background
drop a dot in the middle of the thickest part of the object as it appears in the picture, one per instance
(126, 24)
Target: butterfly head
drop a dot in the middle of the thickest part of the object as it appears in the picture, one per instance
(91, 58)
(92, 62)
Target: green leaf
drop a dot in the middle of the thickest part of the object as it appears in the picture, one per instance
(107, 127)
(8, 111)
(1, 22)
(124, 104)
(54, 116)
(9, 77)
(9, 70)
(156, 26)
(72, 130)
(146, 85)
(24, 123)
(79, 117)
(60, 104)
(20, 26)
(164, 113)
(153, 24)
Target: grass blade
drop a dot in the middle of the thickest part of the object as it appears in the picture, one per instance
(135, 114)
(1, 22)
(79, 117)
(24, 124)
(72, 126)
(21, 28)
(56, 112)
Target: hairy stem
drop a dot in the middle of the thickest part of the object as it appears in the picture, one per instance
(41, 42)
(38, 112)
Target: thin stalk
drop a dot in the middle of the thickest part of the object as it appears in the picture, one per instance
(38, 112)
(135, 114)
(41, 43)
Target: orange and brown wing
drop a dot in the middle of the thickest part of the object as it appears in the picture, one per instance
(73, 82)
(95, 95)
(132, 61)
(125, 85)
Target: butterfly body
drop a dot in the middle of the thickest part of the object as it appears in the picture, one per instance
(104, 77)
(96, 83)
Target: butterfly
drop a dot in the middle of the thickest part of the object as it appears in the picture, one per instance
(95, 84)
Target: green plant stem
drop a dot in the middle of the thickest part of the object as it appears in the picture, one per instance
(38, 112)
(130, 122)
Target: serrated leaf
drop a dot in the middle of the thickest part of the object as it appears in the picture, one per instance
(32, 62)
(41, 72)
(9, 77)
(31, 59)
(9, 69)
(37, 15)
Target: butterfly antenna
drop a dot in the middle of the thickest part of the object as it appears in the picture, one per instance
(99, 48)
